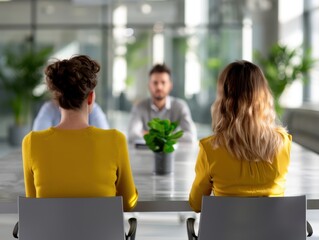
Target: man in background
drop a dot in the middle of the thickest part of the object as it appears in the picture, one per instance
(161, 105)
(49, 115)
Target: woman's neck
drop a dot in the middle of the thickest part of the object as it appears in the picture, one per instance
(74, 119)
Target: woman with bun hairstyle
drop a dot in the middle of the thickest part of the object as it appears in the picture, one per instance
(73, 159)
(248, 153)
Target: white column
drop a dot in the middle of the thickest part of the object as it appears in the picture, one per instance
(119, 62)
(196, 13)
(291, 34)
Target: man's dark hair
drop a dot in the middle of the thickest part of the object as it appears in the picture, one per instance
(160, 68)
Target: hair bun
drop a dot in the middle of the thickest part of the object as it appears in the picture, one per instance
(72, 80)
(61, 76)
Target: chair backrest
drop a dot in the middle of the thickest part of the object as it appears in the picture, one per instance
(253, 218)
(71, 218)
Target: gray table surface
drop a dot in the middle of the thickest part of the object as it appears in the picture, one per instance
(168, 192)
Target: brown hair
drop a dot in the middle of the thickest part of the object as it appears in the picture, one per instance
(243, 116)
(160, 68)
(71, 80)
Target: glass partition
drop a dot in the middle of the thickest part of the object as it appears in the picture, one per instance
(128, 47)
(9, 18)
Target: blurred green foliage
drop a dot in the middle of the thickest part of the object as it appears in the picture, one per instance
(21, 71)
(136, 57)
(282, 66)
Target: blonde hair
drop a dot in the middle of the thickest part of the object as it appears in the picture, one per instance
(243, 116)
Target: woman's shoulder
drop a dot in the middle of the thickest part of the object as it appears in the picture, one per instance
(40, 133)
(284, 134)
(113, 133)
(35, 136)
(207, 141)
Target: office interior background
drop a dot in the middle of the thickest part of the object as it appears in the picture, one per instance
(195, 38)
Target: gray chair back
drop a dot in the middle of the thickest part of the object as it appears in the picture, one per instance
(255, 218)
(71, 218)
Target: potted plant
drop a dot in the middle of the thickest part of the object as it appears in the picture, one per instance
(282, 66)
(21, 71)
(161, 139)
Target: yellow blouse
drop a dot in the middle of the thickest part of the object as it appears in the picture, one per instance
(221, 174)
(87, 162)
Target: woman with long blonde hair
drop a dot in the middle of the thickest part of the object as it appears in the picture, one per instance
(248, 153)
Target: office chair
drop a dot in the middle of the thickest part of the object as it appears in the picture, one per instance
(72, 218)
(251, 218)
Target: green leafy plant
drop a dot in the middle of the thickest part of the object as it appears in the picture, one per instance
(162, 136)
(21, 71)
(135, 57)
(282, 66)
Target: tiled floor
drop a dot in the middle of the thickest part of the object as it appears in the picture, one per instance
(160, 226)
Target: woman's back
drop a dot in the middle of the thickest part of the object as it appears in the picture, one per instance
(234, 177)
(87, 162)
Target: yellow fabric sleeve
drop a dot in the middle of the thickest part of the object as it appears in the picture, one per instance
(27, 167)
(125, 184)
(202, 184)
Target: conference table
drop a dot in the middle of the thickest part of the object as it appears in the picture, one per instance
(167, 193)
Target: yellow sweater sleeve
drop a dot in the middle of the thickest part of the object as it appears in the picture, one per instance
(27, 167)
(125, 184)
(202, 185)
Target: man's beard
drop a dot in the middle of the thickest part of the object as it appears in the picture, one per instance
(159, 98)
